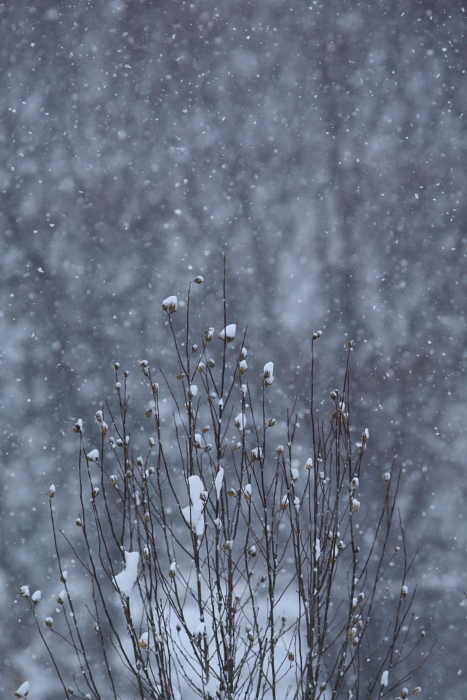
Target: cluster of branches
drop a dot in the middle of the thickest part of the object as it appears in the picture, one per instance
(221, 565)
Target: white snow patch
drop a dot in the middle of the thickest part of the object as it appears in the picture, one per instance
(193, 514)
(23, 690)
(127, 578)
(219, 481)
(240, 421)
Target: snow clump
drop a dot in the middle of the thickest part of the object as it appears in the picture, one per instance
(170, 304)
(228, 333)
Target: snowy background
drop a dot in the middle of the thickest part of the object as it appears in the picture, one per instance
(322, 146)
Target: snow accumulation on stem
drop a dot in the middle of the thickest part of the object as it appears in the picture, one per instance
(219, 481)
(127, 578)
(193, 514)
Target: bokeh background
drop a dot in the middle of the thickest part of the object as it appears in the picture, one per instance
(320, 144)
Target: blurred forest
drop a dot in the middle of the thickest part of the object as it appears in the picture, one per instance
(322, 146)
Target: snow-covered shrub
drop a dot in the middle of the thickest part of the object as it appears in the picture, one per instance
(218, 564)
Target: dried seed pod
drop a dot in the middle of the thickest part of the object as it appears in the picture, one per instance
(256, 454)
(143, 641)
(228, 333)
(268, 373)
(170, 304)
(36, 597)
(355, 505)
(246, 492)
(23, 690)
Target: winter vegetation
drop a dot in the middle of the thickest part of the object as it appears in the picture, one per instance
(322, 146)
(224, 551)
